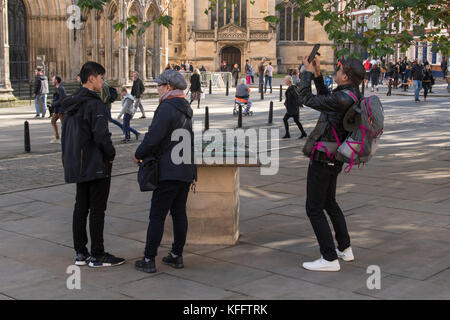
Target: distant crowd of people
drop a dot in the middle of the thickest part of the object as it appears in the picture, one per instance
(402, 74)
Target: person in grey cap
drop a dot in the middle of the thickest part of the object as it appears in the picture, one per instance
(174, 112)
(323, 168)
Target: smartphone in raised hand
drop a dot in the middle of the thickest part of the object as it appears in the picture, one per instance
(314, 52)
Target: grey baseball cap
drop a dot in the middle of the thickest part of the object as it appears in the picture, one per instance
(172, 77)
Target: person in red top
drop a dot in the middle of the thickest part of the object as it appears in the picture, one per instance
(367, 67)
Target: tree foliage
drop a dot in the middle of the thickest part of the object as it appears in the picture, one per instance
(341, 26)
(401, 23)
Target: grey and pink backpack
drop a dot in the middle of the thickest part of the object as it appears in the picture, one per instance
(365, 122)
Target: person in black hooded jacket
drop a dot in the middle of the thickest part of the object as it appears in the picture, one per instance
(174, 112)
(87, 157)
(323, 170)
(292, 108)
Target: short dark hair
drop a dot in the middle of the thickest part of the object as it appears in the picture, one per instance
(91, 69)
(38, 69)
(58, 79)
(354, 70)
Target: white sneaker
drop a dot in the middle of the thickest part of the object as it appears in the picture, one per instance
(346, 255)
(322, 265)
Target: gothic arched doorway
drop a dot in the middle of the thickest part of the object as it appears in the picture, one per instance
(18, 48)
(231, 56)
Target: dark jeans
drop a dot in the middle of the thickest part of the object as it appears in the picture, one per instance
(126, 125)
(91, 199)
(321, 194)
(268, 81)
(296, 118)
(117, 123)
(170, 195)
(261, 82)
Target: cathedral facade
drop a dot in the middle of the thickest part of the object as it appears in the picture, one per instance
(235, 32)
(51, 34)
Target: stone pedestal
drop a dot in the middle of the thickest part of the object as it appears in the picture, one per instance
(213, 211)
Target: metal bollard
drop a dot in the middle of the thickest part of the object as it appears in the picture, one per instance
(210, 86)
(27, 137)
(240, 117)
(271, 113)
(262, 93)
(228, 88)
(281, 92)
(206, 118)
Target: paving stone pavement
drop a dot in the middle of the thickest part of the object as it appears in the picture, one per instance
(397, 210)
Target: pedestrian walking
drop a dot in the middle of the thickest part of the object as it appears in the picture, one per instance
(367, 67)
(444, 67)
(87, 157)
(252, 74)
(136, 91)
(196, 88)
(40, 91)
(58, 110)
(248, 68)
(417, 77)
(261, 69)
(175, 179)
(323, 169)
(292, 108)
(374, 76)
(128, 111)
(235, 73)
(268, 72)
(427, 81)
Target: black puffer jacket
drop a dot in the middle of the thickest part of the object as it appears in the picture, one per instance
(170, 115)
(333, 107)
(86, 142)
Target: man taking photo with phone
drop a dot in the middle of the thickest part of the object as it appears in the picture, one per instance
(323, 168)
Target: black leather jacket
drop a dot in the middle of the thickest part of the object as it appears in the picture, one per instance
(332, 106)
(86, 141)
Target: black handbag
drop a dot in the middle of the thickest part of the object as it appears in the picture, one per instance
(148, 174)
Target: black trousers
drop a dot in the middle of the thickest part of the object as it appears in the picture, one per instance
(321, 195)
(296, 118)
(170, 195)
(91, 200)
(426, 88)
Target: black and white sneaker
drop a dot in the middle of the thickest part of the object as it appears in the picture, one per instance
(82, 259)
(174, 261)
(107, 260)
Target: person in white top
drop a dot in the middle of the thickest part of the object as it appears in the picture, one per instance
(268, 72)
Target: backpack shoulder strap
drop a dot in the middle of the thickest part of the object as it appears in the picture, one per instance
(355, 99)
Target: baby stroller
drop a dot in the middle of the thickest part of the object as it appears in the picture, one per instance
(244, 103)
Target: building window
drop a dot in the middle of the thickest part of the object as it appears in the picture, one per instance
(228, 12)
(292, 24)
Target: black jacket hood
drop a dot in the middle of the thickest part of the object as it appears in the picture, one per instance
(183, 106)
(72, 103)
